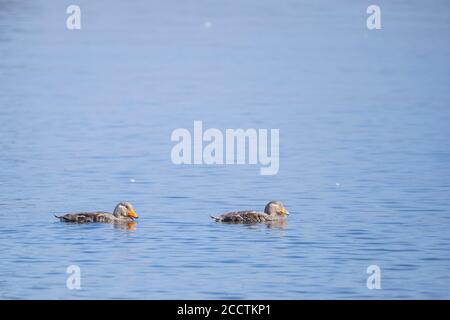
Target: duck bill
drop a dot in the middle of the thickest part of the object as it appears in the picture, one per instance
(132, 214)
(284, 212)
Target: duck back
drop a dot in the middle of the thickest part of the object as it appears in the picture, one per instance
(243, 217)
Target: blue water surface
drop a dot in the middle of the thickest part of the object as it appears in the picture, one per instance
(364, 117)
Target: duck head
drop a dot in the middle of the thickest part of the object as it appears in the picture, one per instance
(276, 209)
(125, 209)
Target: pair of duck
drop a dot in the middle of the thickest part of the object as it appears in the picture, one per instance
(124, 213)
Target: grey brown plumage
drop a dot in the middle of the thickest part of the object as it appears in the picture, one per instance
(123, 213)
(85, 217)
(273, 211)
(243, 217)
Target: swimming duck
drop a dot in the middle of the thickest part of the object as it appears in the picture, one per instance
(123, 213)
(273, 211)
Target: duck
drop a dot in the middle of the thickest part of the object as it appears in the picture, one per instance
(273, 211)
(123, 213)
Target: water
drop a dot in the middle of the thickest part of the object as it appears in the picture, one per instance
(86, 118)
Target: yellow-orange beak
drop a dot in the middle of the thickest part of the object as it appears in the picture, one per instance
(284, 212)
(132, 214)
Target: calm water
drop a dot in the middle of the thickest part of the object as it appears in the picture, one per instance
(364, 117)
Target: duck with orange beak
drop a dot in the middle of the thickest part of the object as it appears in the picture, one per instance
(274, 211)
(123, 213)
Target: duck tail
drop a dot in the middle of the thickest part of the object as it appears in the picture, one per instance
(62, 218)
(217, 219)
